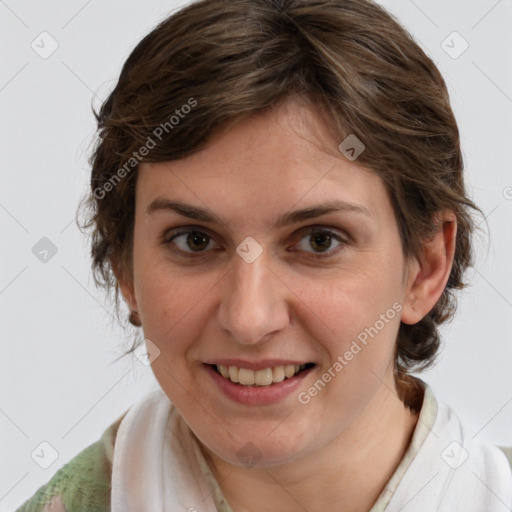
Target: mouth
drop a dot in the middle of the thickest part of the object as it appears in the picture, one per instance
(259, 378)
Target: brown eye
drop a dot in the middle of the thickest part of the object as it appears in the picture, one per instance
(323, 242)
(190, 241)
(197, 241)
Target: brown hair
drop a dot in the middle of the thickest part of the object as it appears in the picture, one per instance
(227, 60)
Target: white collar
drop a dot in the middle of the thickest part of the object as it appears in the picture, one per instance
(158, 466)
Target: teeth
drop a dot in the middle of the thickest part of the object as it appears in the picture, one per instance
(265, 377)
(289, 370)
(233, 373)
(278, 374)
(245, 376)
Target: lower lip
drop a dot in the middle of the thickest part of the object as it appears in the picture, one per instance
(257, 395)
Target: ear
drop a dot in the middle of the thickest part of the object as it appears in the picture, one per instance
(429, 273)
(125, 281)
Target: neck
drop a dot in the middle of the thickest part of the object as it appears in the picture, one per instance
(351, 470)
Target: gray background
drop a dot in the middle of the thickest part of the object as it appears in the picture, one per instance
(59, 339)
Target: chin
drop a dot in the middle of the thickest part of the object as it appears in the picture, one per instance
(258, 453)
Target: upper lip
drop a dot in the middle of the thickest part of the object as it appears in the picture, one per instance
(256, 365)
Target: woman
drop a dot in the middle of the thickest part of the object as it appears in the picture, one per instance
(277, 191)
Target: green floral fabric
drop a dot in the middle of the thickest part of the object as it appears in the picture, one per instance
(84, 484)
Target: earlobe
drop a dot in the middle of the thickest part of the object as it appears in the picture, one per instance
(128, 295)
(429, 273)
(409, 309)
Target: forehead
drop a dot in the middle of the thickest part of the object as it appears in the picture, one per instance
(271, 161)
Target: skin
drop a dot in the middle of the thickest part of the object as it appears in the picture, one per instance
(347, 441)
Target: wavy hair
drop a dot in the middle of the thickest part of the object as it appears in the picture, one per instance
(351, 59)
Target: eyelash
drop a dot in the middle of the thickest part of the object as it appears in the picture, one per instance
(310, 230)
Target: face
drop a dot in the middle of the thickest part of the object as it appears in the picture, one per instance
(232, 278)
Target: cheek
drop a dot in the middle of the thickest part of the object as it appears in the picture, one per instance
(361, 350)
(173, 306)
(343, 306)
(174, 314)
(356, 319)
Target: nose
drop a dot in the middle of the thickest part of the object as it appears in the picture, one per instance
(253, 302)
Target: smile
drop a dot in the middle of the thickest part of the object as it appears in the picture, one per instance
(264, 377)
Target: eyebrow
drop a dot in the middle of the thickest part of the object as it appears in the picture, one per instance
(193, 212)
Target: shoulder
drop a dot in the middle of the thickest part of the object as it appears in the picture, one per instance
(432, 408)
(83, 484)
